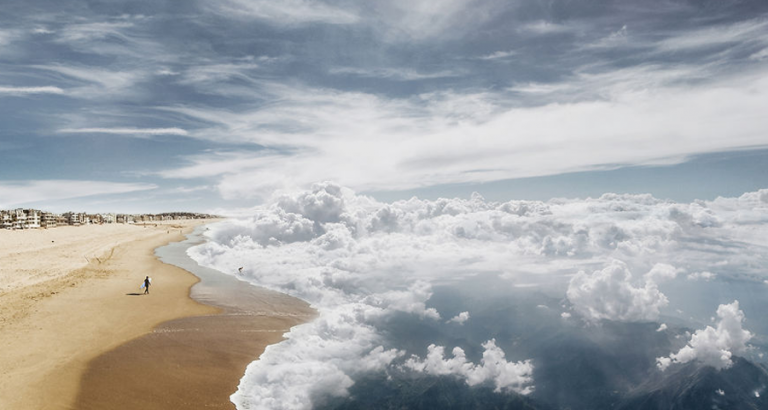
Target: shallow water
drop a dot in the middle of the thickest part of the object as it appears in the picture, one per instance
(224, 290)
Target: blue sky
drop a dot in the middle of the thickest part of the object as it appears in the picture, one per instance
(149, 106)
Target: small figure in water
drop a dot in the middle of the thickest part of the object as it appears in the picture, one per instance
(240, 269)
(147, 282)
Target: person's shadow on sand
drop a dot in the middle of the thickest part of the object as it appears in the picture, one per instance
(133, 294)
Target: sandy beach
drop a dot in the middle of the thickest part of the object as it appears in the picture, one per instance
(77, 332)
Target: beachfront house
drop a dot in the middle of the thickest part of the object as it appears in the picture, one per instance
(62, 220)
(48, 220)
(76, 218)
(6, 221)
(125, 219)
(25, 218)
(33, 219)
(19, 218)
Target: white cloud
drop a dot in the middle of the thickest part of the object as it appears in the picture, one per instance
(493, 367)
(93, 31)
(125, 131)
(22, 91)
(543, 27)
(751, 31)
(362, 263)
(43, 192)
(662, 327)
(636, 116)
(714, 346)
(290, 12)
(42, 30)
(9, 36)
(92, 82)
(398, 74)
(460, 318)
(707, 276)
(499, 55)
(610, 294)
(420, 20)
(187, 190)
(661, 272)
(618, 38)
(210, 75)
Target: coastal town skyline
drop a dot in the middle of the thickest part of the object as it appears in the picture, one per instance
(25, 218)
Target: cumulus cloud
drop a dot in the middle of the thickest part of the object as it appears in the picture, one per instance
(364, 263)
(661, 272)
(493, 367)
(610, 294)
(714, 346)
(460, 318)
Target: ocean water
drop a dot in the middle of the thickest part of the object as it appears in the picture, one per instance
(456, 303)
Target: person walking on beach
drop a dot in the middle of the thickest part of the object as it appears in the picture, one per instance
(147, 282)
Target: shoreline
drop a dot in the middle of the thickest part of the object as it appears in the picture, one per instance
(54, 326)
(198, 361)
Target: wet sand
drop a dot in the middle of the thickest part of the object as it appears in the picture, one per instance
(194, 362)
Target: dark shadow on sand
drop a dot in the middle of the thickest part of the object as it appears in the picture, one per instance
(133, 294)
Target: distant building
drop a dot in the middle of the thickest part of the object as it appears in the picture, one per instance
(49, 220)
(125, 219)
(34, 219)
(6, 221)
(76, 218)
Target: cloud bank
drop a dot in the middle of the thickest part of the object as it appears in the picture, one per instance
(365, 265)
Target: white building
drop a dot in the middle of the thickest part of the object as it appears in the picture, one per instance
(33, 219)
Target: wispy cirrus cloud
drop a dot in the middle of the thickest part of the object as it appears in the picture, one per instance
(93, 31)
(641, 116)
(97, 82)
(44, 192)
(397, 74)
(126, 131)
(291, 12)
(22, 91)
(750, 31)
(498, 55)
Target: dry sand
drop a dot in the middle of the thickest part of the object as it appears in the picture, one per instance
(74, 324)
